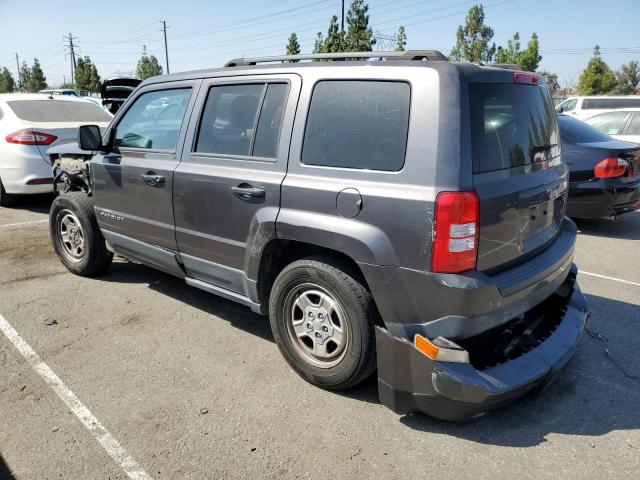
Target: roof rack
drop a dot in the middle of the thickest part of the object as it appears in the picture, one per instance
(431, 55)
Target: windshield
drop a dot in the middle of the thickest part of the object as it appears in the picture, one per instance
(576, 131)
(58, 111)
(511, 125)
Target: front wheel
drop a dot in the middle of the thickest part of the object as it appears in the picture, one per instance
(322, 318)
(76, 236)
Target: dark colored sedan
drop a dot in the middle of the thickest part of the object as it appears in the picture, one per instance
(604, 178)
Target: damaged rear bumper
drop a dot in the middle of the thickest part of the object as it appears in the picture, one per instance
(409, 381)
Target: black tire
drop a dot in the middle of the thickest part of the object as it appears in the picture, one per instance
(94, 258)
(358, 359)
(6, 200)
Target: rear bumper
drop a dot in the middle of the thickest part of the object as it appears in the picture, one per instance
(603, 198)
(21, 166)
(409, 381)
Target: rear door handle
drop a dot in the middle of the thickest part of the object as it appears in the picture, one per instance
(150, 178)
(248, 192)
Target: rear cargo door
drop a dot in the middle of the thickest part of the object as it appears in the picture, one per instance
(517, 172)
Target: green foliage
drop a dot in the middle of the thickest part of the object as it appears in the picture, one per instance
(335, 41)
(597, 78)
(552, 81)
(7, 84)
(512, 53)
(472, 39)
(293, 47)
(87, 77)
(25, 77)
(318, 46)
(37, 80)
(627, 79)
(148, 66)
(401, 40)
(529, 59)
(358, 37)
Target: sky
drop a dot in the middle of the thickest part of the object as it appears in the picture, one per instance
(204, 34)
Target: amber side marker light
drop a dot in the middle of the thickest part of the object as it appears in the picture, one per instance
(441, 349)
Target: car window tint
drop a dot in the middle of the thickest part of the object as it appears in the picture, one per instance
(154, 120)
(573, 130)
(610, 123)
(229, 119)
(268, 131)
(609, 103)
(55, 111)
(358, 124)
(633, 127)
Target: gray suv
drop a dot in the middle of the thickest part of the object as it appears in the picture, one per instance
(402, 212)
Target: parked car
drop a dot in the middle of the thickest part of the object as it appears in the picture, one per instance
(407, 211)
(583, 107)
(29, 125)
(604, 173)
(621, 124)
(61, 91)
(116, 90)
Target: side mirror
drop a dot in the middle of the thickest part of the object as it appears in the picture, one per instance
(90, 138)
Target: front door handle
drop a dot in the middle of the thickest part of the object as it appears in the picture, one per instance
(150, 178)
(247, 192)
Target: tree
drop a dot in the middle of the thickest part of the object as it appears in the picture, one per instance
(318, 46)
(148, 65)
(627, 79)
(512, 53)
(401, 40)
(597, 78)
(7, 84)
(37, 80)
(335, 41)
(293, 47)
(358, 37)
(472, 39)
(87, 77)
(24, 77)
(529, 59)
(552, 81)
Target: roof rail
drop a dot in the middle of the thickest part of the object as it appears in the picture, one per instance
(431, 55)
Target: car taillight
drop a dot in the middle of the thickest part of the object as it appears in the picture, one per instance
(455, 232)
(611, 168)
(30, 137)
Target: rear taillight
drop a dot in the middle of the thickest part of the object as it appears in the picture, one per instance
(611, 168)
(455, 232)
(30, 137)
(526, 78)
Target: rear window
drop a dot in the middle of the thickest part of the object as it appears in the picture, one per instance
(358, 124)
(608, 103)
(511, 125)
(576, 131)
(58, 111)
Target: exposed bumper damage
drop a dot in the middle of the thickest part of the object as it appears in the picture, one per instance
(523, 354)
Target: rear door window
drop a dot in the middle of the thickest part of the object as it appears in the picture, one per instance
(358, 124)
(610, 123)
(58, 111)
(511, 125)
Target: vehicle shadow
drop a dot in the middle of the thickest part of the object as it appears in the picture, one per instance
(5, 472)
(626, 227)
(592, 397)
(34, 203)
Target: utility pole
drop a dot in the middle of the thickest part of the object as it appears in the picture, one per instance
(19, 73)
(342, 21)
(166, 51)
(72, 54)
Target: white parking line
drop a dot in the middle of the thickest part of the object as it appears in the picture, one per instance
(614, 279)
(101, 434)
(22, 224)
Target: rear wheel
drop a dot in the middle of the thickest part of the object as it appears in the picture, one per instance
(322, 318)
(6, 200)
(76, 236)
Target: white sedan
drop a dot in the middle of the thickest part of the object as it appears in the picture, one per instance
(621, 124)
(29, 125)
